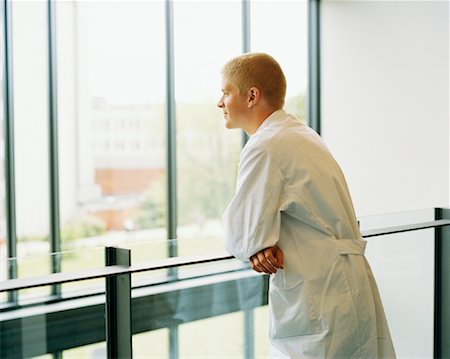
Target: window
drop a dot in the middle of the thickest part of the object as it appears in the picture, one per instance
(3, 239)
(114, 100)
(206, 175)
(110, 75)
(112, 113)
(31, 162)
(286, 40)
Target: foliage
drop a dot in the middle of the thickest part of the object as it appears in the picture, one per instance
(207, 163)
(296, 106)
(23, 239)
(87, 226)
(152, 210)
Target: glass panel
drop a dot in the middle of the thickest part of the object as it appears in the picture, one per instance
(395, 219)
(22, 323)
(403, 266)
(111, 93)
(30, 66)
(30, 265)
(207, 34)
(146, 253)
(261, 328)
(204, 316)
(208, 308)
(153, 252)
(80, 260)
(38, 328)
(154, 344)
(34, 329)
(221, 336)
(286, 40)
(93, 351)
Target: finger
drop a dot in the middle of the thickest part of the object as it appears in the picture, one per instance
(265, 265)
(256, 264)
(269, 253)
(253, 265)
(280, 256)
(261, 268)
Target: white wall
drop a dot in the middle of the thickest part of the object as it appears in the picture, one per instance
(385, 116)
(385, 93)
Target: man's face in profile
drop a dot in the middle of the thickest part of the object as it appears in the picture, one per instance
(233, 105)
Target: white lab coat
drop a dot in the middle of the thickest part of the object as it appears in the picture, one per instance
(292, 193)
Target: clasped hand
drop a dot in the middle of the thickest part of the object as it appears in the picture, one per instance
(268, 261)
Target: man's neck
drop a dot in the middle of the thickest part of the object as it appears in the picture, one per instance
(259, 117)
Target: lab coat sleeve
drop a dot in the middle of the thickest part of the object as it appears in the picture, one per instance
(252, 220)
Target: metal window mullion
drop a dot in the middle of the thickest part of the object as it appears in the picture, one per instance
(172, 247)
(55, 240)
(314, 98)
(249, 336)
(9, 165)
(173, 342)
(171, 135)
(245, 42)
(245, 26)
(248, 314)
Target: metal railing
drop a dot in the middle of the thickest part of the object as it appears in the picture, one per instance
(119, 269)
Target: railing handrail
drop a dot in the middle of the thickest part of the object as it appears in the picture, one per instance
(405, 228)
(108, 271)
(60, 278)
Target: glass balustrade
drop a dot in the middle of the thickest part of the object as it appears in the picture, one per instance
(216, 309)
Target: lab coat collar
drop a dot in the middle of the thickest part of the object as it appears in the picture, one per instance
(272, 117)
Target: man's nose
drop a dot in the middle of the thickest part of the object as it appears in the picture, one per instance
(220, 103)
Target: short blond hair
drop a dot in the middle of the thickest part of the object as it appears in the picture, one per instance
(261, 71)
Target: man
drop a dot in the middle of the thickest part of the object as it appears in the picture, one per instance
(292, 217)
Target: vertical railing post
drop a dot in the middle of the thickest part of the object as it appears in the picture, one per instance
(118, 306)
(441, 347)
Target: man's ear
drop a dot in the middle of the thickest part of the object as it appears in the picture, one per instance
(253, 96)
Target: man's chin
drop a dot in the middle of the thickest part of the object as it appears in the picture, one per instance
(229, 125)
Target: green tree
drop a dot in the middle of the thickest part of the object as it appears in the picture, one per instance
(152, 211)
(87, 226)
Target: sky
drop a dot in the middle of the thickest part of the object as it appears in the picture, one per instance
(127, 56)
